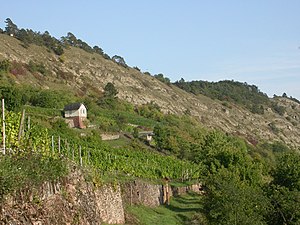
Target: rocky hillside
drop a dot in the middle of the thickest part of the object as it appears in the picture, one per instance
(87, 74)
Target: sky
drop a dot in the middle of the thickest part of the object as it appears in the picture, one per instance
(253, 41)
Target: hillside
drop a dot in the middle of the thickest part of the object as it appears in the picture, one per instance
(150, 152)
(87, 73)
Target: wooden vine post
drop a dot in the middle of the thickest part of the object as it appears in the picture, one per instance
(59, 145)
(52, 145)
(80, 158)
(21, 128)
(3, 126)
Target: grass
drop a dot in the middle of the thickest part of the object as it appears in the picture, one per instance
(129, 117)
(119, 143)
(182, 210)
(42, 112)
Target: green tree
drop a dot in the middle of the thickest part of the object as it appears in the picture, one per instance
(284, 190)
(161, 137)
(161, 78)
(135, 132)
(98, 50)
(11, 28)
(119, 60)
(110, 90)
(5, 65)
(287, 172)
(12, 96)
(231, 201)
(285, 206)
(109, 99)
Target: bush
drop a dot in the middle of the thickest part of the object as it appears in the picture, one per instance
(5, 65)
(37, 67)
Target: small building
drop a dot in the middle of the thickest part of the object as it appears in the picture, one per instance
(75, 115)
(147, 135)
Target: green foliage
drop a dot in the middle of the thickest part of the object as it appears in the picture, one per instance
(240, 93)
(31, 37)
(287, 172)
(5, 65)
(284, 190)
(274, 128)
(219, 151)
(50, 99)
(28, 170)
(109, 99)
(11, 28)
(257, 109)
(37, 67)
(71, 40)
(12, 124)
(135, 132)
(161, 135)
(13, 97)
(232, 201)
(110, 90)
(136, 68)
(150, 110)
(35, 138)
(278, 109)
(285, 205)
(163, 79)
(182, 210)
(28, 36)
(119, 60)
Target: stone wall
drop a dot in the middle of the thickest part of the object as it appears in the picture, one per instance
(197, 188)
(71, 200)
(109, 137)
(142, 193)
(110, 204)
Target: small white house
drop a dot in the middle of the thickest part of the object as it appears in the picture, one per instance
(75, 115)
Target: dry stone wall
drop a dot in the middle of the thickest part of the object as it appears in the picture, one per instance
(73, 200)
(142, 193)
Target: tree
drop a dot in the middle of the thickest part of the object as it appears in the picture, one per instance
(285, 205)
(98, 50)
(70, 39)
(287, 172)
(110, 90)
(5, 65)
(284, 190)
(109, 99)
(12, 96)
(163, 79)
(119, 60)
(135, 133)
(11, 28)
(232, 201)
(161, 137)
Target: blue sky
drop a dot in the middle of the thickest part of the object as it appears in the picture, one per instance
(253, 41)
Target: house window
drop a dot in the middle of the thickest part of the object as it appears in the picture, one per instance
(83, 111)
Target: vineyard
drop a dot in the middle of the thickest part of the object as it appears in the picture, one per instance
(134, 161)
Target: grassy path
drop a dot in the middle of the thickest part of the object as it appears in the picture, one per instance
(182, 210)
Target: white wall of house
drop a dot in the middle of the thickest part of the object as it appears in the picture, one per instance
(81, 112)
